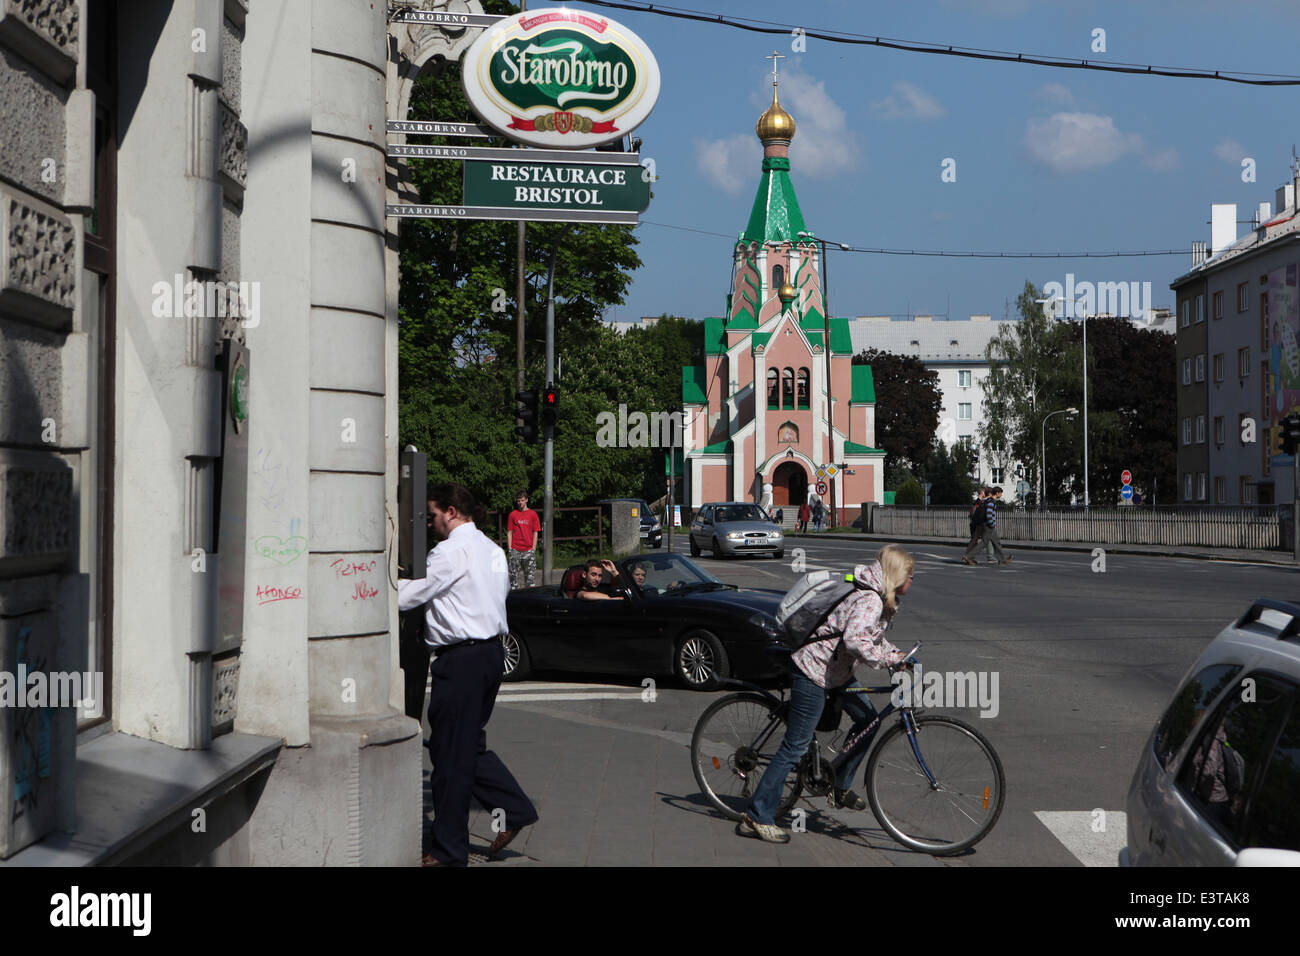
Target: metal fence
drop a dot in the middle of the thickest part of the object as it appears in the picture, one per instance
(1227, 526)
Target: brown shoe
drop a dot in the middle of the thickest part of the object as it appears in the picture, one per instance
(1007, 561)
(966, 560)
(502, 841)
(430, 860)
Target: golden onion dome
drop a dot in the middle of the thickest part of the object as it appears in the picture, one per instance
(775, 125)
(786, 292)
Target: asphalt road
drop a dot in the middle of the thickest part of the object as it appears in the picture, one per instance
(1085, 661)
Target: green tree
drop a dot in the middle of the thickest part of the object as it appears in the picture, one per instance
(947, 470)
(910, 492)
(1032, 363)
(908, 401)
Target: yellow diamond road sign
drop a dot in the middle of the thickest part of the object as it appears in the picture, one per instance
(831, 471)
(821, 472)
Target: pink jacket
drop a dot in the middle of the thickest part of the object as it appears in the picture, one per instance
(830, 663)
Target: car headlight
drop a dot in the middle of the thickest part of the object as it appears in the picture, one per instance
(735, 536)
(776, 535)
(766, 623)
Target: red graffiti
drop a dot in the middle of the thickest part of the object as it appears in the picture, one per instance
(345, 569)
(269, 595)
(363, 591)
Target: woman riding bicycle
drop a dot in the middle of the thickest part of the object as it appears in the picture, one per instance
(853, 633)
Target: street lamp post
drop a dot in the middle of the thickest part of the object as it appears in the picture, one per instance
(1042, 460)
(826, 347)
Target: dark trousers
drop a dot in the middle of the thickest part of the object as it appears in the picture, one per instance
(465, 683)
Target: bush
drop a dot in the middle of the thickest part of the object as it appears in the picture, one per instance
(910, 493)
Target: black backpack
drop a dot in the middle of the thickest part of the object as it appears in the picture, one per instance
(979, 513)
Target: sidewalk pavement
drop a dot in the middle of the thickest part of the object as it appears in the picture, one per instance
(1011, 546)
(613, 795)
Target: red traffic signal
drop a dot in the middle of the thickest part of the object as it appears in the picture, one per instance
(550, 406)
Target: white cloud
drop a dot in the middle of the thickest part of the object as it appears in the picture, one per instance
(907, 102)
(823, 145)
(1162, 161)
(1073, 142)
(731, 163)
(1055, 93)
(1230, 151)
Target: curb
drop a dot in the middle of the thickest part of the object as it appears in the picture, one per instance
(1281, 559)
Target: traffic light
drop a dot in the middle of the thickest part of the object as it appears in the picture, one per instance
(550, 406)
(1291, 434)
(526, 412)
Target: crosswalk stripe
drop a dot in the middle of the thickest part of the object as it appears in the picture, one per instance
(1078, 832)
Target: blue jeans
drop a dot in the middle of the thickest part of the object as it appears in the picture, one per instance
(806, 703)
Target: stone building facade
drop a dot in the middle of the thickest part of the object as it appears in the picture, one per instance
(198, 307)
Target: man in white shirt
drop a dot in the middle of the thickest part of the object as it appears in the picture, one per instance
(464, 592)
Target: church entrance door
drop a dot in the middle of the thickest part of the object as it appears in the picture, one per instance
(789, 485)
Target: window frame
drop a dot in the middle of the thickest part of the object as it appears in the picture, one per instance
(1187, 371)
(1216, 367)
(1242, 296)
(1243, 362)
(1200, 367)
(1216, 305)
(964, 412)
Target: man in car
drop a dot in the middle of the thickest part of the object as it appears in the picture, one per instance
(592, 589)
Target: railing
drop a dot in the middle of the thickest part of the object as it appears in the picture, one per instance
(1225, 526)
(579, 519)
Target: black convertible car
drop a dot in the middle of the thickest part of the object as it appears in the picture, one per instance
(676, 619)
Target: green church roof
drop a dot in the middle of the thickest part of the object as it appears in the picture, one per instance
(776, 216)
(864, 384)
(853, 448)
(715, 336)
(693, 385)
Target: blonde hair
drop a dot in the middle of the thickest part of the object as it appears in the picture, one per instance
(896, 567)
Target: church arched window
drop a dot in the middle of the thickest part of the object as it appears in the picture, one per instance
(802, 388)
(773, 396)
(787, 388)
(778, 276)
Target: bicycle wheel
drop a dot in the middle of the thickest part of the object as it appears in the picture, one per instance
(733, 744)
(960, 809)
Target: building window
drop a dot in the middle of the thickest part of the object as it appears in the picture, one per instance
(1218, 367)
(801, 388)
(778, 276)
(787, 388)
(1200, 308)
(1243, 362)
(1187, 486)
(995, 475)
(1201, 486)
(1216, 304)
(1187, 371)
(1187, 431)
(963, 411)
(1218, 429)
(773, 395)
(963, 379)
(1244, 488)
(1241, 297)
(1185, 310)
(1219, 490)
(1200, 429)
(1200, 367)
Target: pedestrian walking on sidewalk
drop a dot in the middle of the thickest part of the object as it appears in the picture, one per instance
(818, 515)
(991, 526)
(804, 514)
(464, 592)
(978, 514)
(854, 632)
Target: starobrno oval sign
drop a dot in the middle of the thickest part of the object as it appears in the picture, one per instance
(560, 78)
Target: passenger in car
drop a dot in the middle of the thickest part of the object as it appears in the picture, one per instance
(592, 589)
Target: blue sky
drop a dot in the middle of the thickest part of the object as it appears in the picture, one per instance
(1047, 159)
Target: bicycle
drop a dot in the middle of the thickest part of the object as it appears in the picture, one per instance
(934, 783)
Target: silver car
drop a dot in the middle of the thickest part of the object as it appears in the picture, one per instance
(1218, 776)
(735, 527)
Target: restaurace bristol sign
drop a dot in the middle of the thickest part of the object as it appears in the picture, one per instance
(560, 78)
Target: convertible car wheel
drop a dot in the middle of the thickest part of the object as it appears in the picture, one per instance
(516, 658)
(702, 661)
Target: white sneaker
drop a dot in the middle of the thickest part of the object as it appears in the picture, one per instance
(767, 832)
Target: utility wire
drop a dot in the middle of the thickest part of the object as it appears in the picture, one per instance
(944, 49)
(956, 255)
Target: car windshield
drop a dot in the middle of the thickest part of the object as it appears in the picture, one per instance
(667, 574)
(740, 513)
